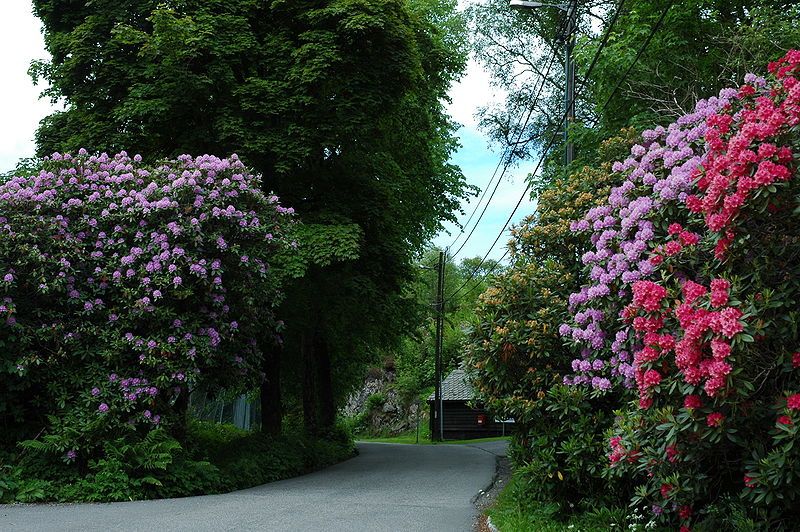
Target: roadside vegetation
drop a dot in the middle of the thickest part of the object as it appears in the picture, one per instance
(644, 337)
(133, 274)
(216, 458)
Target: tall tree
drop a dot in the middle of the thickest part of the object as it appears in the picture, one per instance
(337, 102)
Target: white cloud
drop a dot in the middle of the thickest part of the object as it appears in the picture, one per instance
(20, 107)
(478, 163)
(471, 92)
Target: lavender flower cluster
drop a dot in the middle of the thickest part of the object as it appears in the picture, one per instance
(161, 269)
(659, 171)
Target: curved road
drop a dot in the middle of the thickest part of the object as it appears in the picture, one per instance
(387, 487)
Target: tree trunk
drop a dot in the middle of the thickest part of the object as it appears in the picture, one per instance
(327, 407)
(181, 409)
(271, 408)
(309, 382)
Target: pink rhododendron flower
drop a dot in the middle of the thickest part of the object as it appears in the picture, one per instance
(651, 378)
(714, 419)
(648, 295)
(793, 402)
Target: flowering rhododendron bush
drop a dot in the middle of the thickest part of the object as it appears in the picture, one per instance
(518, 359)
(695, 302)
(123, 285)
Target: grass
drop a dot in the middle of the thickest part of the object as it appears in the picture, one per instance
(410, 437)
(512, 513)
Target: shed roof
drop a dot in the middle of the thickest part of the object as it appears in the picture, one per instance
(456, 387)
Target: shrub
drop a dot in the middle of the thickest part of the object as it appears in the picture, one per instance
(693, 303)
(217, 458)
(718, 325)
(124, 284)
(518, 359)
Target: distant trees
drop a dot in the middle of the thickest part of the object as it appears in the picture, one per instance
(414, 354)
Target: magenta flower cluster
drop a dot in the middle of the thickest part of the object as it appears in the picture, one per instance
(658, 172)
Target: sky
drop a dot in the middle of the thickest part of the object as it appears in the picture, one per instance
(21, 109)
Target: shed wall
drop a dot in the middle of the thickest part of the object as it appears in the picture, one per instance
(461, 422)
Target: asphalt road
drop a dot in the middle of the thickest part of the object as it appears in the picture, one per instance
(387, 487)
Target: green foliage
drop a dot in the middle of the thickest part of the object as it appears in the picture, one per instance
(340, 103)
(518, 358)
(375, 401)
(212, 439)
(258, 458)
(561, 457)
(216, 459)
(415, 352)
(322, 245)
(111, 311)
(514, 511)
(698, 437)
(702, 47)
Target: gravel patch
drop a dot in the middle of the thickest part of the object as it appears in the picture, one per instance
(485, 498)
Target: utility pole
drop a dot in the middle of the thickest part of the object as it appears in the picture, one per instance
(437, 398)
(565, 36)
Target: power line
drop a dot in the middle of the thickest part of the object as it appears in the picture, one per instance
(486, 275)
(485, 189)
(583, 85)
(642, 48)
(603, 43)
(507, 158)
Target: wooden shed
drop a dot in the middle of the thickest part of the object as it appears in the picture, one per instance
(460, 420)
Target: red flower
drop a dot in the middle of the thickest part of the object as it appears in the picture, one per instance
(720, 348)
(674, 228)
(692, 401)
(689, 239)
(793, 402)
(785, 420)
(746, 90)
(767, 150)
(673, 247)
(685, 528)
(647, 354)
(645, 403)
(714, 419)
(691, 291)
(694, 204)
(672, 453)
(729, 322)
(685, 512)
(666, 489)
(796, 360)
(749, 481)
(648, 295)
(651, 378)
(719, 292)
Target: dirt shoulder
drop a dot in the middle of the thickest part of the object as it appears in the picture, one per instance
(486, 498)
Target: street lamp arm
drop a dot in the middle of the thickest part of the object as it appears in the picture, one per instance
(527, 4)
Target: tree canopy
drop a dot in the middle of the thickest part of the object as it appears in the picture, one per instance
(339, 102)
(701, 47)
